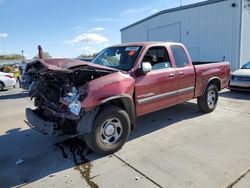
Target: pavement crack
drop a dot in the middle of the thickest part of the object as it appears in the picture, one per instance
(231, 185)
(144, 175)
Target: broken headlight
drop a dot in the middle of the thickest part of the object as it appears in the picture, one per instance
(72, 99)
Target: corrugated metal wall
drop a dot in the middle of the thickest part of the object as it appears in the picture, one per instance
(245, 34)
(211, 32)
(171, 33)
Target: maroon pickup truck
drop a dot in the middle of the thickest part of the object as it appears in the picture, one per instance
(100, 101)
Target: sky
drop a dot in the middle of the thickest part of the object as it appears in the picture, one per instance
(66, 28)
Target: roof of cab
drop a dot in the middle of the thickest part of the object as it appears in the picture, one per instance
(144, 44)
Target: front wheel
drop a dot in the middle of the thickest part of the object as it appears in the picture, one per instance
(208, 102)
(110, 131)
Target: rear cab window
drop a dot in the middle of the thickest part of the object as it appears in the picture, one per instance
(180, 56)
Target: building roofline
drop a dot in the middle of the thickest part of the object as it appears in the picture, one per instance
(173, 10)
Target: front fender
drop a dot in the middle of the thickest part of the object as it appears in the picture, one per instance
(107, 87)
(85, 124)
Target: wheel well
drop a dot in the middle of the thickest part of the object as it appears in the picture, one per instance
(2, 83)
(128, 105)
(216, 82)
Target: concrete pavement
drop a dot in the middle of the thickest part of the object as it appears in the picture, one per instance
(175, 147)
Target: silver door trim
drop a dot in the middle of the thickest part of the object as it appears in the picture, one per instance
(165, 95)
(185, 90)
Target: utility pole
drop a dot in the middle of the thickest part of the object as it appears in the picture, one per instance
(22, 55)
(181, 3)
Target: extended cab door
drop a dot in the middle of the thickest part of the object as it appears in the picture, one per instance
(158, 88)
(185, 73)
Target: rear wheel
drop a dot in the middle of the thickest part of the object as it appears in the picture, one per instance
(1, 86)
(208, 102)
(110, 131)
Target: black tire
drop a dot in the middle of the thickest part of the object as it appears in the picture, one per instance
(208, 102)
(1, 86)
(96, 139)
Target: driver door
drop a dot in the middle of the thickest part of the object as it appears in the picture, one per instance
(158, 88)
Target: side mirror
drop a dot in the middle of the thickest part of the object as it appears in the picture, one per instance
(146, 67)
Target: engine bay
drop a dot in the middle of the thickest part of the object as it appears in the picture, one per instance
(58, 94)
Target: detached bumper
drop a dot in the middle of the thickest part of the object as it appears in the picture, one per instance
(39, 124)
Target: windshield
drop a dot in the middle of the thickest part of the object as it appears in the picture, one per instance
(122, 58)
(246, 66)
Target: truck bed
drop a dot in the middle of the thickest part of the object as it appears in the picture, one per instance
(204, 62)
(208, 70)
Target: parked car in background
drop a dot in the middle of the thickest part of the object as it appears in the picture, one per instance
(240, 79)
(7, 80)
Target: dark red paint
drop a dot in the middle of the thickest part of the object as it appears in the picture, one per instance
(153, 83)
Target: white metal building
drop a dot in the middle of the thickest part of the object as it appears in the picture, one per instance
(211, 30)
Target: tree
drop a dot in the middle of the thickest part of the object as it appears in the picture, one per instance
(11, 57)
(83, 56)
(46, 55)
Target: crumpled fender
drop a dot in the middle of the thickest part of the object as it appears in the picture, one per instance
(115, 84)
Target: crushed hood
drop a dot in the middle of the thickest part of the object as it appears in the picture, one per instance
(66, 64)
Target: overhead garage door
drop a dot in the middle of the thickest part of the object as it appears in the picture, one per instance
(170, 33)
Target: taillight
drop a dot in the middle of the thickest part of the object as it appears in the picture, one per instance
(9, 76)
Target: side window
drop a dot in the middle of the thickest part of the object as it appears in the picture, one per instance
(158, 57)
(180, 56)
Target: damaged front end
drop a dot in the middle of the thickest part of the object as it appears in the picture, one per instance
(58, 93)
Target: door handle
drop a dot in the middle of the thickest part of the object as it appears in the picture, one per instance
(171, 75)
(181, 73)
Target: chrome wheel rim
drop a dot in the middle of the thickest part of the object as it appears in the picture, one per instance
(211, 98)
(111, 131)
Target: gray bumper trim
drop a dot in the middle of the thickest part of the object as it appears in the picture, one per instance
(39, 124)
